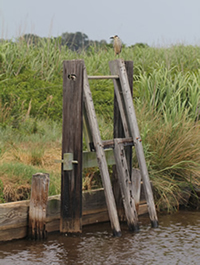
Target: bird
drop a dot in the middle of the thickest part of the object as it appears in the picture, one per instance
(117, 44)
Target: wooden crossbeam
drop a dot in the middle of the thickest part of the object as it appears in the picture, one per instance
(103, 77)
(90, 158)
(125, 141)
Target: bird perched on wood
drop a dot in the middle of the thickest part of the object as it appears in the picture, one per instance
(117, 44)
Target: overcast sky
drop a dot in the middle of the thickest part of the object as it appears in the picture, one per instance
(155, 22)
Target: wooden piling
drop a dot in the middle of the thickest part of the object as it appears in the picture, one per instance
(38, 206)
(117, 67)
(71, 180)
(110, 201)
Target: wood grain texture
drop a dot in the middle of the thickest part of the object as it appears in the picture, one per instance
(38, 205)
(71, 181)
(103, 77)
(125, 184)
(120, 131)
(117, 67)
(136, 186)
(110, 201)
(14, 215)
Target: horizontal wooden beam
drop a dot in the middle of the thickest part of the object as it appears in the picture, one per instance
(110, 143)
(90, 158)
(103, 77)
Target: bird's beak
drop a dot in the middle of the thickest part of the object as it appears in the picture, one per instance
(112, 37)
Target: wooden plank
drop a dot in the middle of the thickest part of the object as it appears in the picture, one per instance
(101, 157)
(87, 132)
(124, 128)
(103, 77)
(94, 209)
(129, 151)
(13, 233)
(90, 158)
(125, 184)
(125, 141)
(143, 209)
(53, 208)
(117, 67)
(38, 205)
(136, 186)
(121, 127)
(14, 215)
(71, 181)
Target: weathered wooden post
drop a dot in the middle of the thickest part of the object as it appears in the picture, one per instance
(71, 178)
(119, 132)
(38, 206)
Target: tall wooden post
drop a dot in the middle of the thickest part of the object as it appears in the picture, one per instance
(119, 133)
(71, 180)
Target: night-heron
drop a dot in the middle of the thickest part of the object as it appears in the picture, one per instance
(117, 44)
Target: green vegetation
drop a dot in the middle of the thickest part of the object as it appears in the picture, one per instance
(166, 98)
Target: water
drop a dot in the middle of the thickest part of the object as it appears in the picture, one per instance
(176, 241)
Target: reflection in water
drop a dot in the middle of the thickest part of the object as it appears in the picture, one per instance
(176, 241)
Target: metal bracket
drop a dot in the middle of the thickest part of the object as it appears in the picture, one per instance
(67, 161)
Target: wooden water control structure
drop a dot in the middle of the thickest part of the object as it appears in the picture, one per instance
(78, 110)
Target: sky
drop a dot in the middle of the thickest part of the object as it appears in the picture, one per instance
(155, 22)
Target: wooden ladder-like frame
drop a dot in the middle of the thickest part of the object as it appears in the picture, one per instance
(76, 86)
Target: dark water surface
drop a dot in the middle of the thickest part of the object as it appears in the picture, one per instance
(176, 241)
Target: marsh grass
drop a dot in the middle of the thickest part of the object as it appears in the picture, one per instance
(172, 152)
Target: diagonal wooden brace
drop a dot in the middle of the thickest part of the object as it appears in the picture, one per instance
(125, 186)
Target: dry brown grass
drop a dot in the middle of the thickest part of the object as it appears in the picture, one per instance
(16, 187)
(34, 154)
(13, 193)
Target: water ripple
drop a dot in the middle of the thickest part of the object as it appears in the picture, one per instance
(176, 241)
